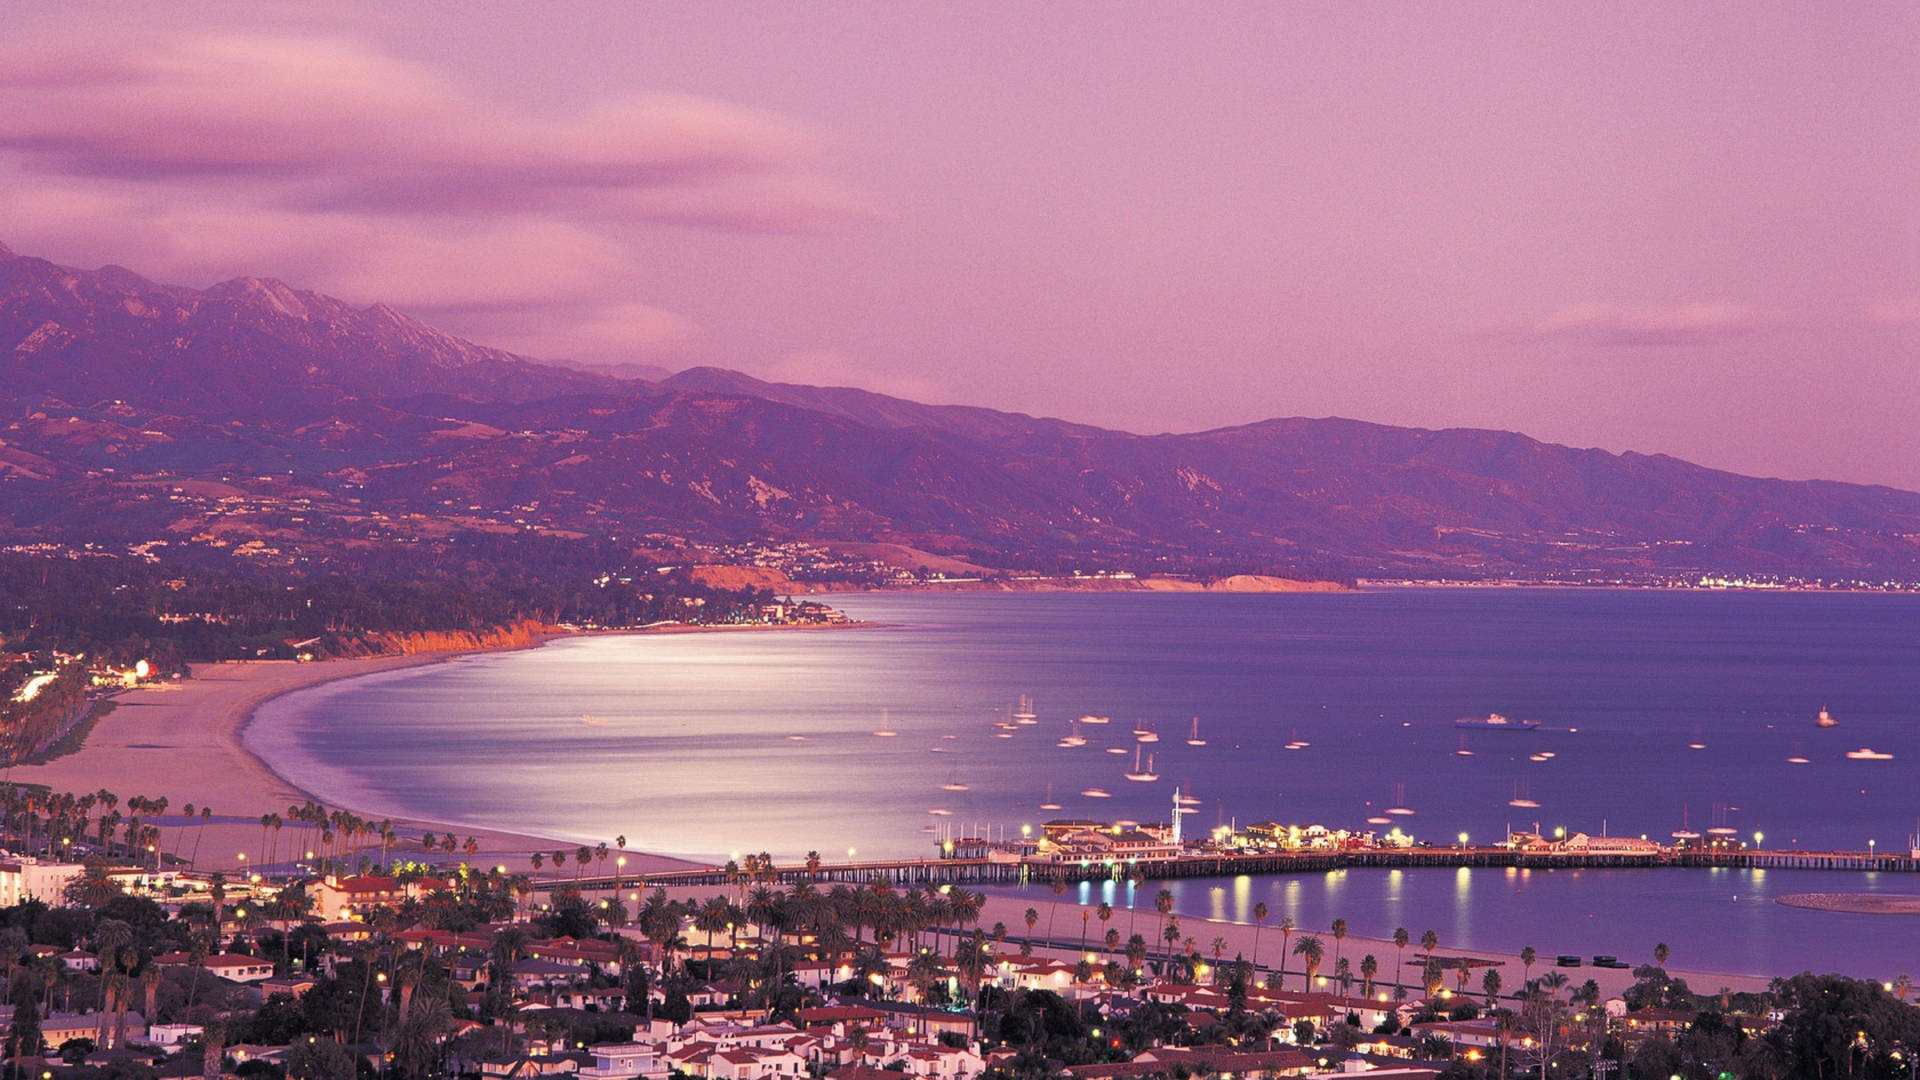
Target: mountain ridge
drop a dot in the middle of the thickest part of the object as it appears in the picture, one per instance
(377, 416)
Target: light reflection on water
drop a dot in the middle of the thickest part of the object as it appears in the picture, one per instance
(1716, 920)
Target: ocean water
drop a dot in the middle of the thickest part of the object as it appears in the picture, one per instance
(710, 744)
(707, 744)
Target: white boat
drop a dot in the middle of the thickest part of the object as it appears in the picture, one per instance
(1825, 719)
(592, 720)
(1193, 737)
(1867, 753)
(1096, 793)
(1092, 719)
(1003, 734)
(1379, 821)
(1024, 714)
(796, 738)
(938, 812)
(1537, 757)
(953, 782)
(1522, 798)
(886, 726)
(1495, 722)
(1137, 775)
(1116, 749)
(1049, 804)
(1074, 738)
(1797, 760)
(1143, 733)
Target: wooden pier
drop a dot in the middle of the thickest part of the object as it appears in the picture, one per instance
(903, 873)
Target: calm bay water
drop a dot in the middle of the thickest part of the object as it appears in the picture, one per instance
(707, 744)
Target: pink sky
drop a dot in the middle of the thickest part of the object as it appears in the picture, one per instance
(1680, 228)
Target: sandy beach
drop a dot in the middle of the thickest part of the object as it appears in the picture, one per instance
(1856, 903)
(182, 741)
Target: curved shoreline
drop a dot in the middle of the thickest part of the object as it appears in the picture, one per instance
(185, 741)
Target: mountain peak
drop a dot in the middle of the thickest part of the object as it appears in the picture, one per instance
(270, 292)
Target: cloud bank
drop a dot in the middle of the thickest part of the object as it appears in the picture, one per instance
(322, 159)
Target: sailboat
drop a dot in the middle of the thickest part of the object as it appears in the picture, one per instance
(1522, 798)
(1193, 737)
(1685, 832)
(1137, 775)
(1143, 733)
(1092, 719)
(1463, 751)
(1825, 719)
(1116, 749)
(1049, 804)
(1096, 793)
(1024, 714)
(886, 727)
(1074, 738)
(1798, 758)
(953, 782)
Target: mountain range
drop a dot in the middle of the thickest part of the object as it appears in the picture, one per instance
(255, 415)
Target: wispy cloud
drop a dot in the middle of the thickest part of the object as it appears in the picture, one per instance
(1623, 326)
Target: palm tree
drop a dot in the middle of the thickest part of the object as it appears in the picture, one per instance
(1400, 939)
(1339, 934)
(1031, 918)
(1660, 954)
(1163, 903)
(1527, 958)
(1259, 924)
(1490, 982)
(1343, 971)
(1369, 967)
(923, 971)
(1105, 914)
(1286, 936)
(1059, 890)
(713, 917)
(1310, 952)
